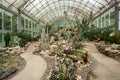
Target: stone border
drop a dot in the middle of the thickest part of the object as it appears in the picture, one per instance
(85, 70)
(14, 71)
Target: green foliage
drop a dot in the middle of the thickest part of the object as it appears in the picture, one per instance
(105, 35)
(15, 40)
(116, 39)
(101, 48)
(92, 34)
(65, 70)
(83, 55)
(7, 39)
(102, 34)
(25, 37)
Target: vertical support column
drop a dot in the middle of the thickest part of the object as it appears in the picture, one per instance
(2, 28)
(109, 17)
(11, 22)
(101, 21)
(19, 20)
(28, 25)
(104, 20)
(97, 23)
(24, 24)
(117, 24)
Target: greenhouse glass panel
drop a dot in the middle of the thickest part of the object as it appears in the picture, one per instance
(103, 21)
(26, 23)
(14, 23)
(107, 19)
(112, 17)
(0, 21)
(22, 22)
(7, 22)
(119, 21)
(13, 4)
(0, 39)
(29, 25)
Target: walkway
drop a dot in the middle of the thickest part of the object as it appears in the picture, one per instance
(35, 66)
(107, 68)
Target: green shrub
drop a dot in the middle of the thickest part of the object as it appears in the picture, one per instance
(83, 55)
(103, 34)
(25, 37)
(92, 34)
(115, 39)
(15, 40)
(101, 48)
(7, 39)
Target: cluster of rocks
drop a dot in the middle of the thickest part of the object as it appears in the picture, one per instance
(27, 45)
(12, 50)
(85, 71)
(51, 55)
(10, 61)
(112, 50)
(7, 72)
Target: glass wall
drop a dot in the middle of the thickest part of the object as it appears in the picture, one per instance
(106, 19)
(119, 21)
(7, 22)
(22, 23)
(14, 23)
(0, 21)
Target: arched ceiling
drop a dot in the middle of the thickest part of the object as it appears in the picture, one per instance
(49, 11)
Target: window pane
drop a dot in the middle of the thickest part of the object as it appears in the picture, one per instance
(22, 22)
(14, 23)
(0, 21)
(7, 23)
(112, 17)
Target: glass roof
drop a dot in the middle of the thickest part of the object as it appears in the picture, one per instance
(52, 10)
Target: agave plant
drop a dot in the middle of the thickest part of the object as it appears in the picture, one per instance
(64, 70)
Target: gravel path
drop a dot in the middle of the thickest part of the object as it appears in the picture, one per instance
(106, 68)
(35, 66)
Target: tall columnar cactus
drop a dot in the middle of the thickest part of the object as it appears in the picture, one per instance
(7, 39)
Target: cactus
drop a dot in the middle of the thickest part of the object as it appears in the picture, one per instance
(7, 39)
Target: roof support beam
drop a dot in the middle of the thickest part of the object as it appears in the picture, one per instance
(23, 4)
(7, 9)
(105, 10)
(29, 16)
(13, 12)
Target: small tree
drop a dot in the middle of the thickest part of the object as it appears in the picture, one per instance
(7, 39)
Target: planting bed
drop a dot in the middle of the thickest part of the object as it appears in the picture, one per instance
(10, 64)
(111, 50)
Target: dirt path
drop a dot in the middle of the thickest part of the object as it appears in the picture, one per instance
(35, 66)
(107, 68)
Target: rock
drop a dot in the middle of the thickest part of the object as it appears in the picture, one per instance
(13, 51)
(43, 52)
(52, 54)
(7, 51)
(74, 60)
(79, 77)
(7, 73)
